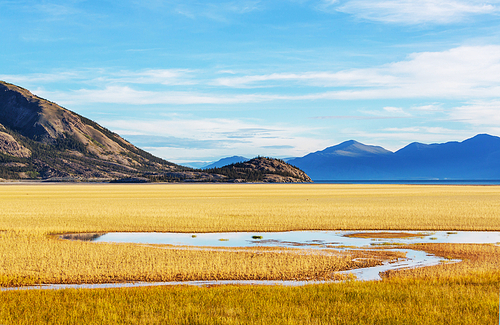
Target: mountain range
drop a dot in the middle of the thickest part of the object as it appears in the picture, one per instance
(477, 158)
(40, 140)
(226, 161)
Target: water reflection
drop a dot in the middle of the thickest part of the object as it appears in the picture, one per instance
(329, 240)
(306, 239)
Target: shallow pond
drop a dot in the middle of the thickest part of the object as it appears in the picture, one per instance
(327, 240)
(334, 240)
(306, 239)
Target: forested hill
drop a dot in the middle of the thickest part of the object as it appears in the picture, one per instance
(262, 169)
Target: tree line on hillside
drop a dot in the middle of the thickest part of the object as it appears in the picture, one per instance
(242, 171)
(57, 156)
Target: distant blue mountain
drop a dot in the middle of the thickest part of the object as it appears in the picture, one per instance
(226, 161)
(195, 164)
(477, 158)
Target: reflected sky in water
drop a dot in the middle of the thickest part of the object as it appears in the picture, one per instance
(309, 239)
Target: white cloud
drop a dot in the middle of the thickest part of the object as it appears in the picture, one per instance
(233, 136)
(39, 77)
(478, 113)
(395, 110)
(105, 77)
(428, 108)
(421, 129)
(55, 10)
(152, 76)
(207, 128)
(371, 116)
(128, 95)
(72, 12)
(410, 12)
(387, 112)
(462, 72)
(359, 77)
(220, 11)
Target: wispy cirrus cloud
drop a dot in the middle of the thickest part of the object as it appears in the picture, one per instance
(152, 76)
(34, 78)
(413, 12)
(155, 141)
(131, 96)
(386, 113)
(55, 10)
(435, 107)
(356, 117)
(364, 77)
(71, 12)
(462, 72)
(204, 128)
(221, 11)
(420, 129)
(103, 76)
(478, 113)
(221, 137)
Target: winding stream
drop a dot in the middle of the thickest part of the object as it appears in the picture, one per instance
(325, 240)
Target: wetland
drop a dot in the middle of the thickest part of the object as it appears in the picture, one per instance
(34, 216)
(328, 241)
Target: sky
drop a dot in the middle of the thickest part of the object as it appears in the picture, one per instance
(195, 81)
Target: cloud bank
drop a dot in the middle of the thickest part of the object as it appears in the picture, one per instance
(414, 12)
(465, 73)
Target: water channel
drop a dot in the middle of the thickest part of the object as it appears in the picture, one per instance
(306, 239)
(326, 240)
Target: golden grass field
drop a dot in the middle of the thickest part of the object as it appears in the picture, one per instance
(30, 254)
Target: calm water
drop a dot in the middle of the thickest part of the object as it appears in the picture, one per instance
(329, 240)
(412, 182)
(299, 239)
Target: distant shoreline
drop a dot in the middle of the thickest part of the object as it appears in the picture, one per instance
(346, 182)
(412, 182)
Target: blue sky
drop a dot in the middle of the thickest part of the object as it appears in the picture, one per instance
(200, 80)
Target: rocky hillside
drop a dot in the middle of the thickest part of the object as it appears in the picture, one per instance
(40, 139)
(262, 169)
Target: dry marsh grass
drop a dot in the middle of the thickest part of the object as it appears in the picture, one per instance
(59, 208)
(31, 213)
(383, 235)
(478, 261)
(38, 260)
(461, 293)
(385, 302)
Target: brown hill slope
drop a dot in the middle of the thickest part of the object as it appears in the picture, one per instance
(39, 138)
(42, 140)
